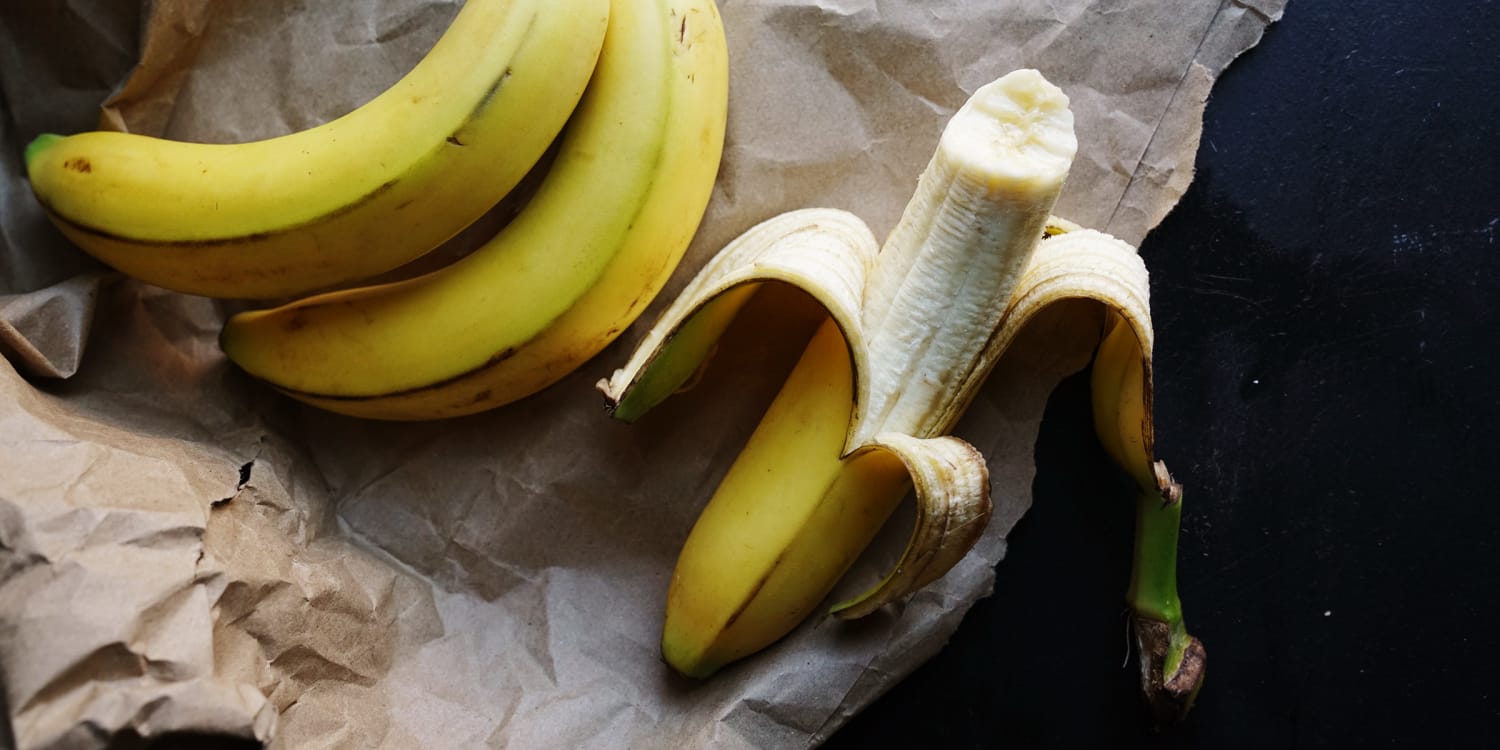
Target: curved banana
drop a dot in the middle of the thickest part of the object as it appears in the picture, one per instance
(596, 242)
(911, 334)
(346, 200)
(862, 417)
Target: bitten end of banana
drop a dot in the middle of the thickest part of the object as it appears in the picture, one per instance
(1016, 133)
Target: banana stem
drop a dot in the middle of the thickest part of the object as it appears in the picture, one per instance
(1153, 579)
(1172, 661)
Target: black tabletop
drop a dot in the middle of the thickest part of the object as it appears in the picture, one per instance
(1326, 392)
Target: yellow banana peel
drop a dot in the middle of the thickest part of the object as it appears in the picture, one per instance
(348, 199)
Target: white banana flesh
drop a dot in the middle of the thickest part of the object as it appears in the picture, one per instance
(949, 266)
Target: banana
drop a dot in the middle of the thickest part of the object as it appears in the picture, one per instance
(825, 467)
(345, 200)
(912, 331)
(607, 226)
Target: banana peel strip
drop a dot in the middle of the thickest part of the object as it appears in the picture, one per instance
(952, 484)
(825, 252)
(1087, 264)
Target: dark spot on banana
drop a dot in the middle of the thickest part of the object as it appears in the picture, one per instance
(453, 139)
(483, 396)
(294, 322)
(78, 164)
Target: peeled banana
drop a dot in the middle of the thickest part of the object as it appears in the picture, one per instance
(912, 332)
(343, 201)
(611, 219)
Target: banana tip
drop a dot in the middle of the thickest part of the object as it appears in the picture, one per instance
(39, 144)
(686, 660)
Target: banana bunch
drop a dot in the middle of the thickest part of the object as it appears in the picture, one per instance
(913, 328)
(627, 98)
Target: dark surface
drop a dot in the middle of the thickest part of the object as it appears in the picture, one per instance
(1325, 352)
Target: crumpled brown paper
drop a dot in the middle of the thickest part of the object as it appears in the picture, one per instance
(183, 550)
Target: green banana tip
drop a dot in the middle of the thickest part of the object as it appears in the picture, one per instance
(39, 144)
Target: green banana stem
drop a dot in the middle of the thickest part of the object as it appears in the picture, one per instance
(1172, 661)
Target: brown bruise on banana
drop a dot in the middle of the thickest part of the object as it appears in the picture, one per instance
(1170, 489)
(456, 138)
(1148, 429)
